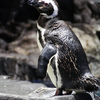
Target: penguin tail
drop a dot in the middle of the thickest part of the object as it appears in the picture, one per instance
(90, 83)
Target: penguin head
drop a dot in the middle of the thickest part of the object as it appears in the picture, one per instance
(48, 8)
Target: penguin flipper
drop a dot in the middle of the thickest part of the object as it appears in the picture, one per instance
(48, 51)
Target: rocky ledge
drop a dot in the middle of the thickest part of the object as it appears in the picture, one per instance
(24, 90)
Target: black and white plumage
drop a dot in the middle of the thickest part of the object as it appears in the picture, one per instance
(62, 55)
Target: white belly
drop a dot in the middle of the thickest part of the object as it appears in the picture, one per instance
(56, 79)
(50, 72)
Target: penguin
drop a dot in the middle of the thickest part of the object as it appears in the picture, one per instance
(62, 55)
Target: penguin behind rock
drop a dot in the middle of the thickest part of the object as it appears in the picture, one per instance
(62, 55)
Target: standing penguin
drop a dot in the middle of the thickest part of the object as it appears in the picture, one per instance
(62, 55)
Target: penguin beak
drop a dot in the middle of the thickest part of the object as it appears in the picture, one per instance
(33, 3)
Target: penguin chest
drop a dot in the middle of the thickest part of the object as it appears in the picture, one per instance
(53, 71)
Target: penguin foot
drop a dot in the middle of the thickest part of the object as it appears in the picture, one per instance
(58, 92)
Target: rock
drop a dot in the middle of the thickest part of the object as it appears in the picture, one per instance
(3, 45)
(44, 92)
(23, 90)
(18, 67)
(88, 42)
(26, 44)
(85, 11)
(16, 90)
(16, 87)
(94, 64)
